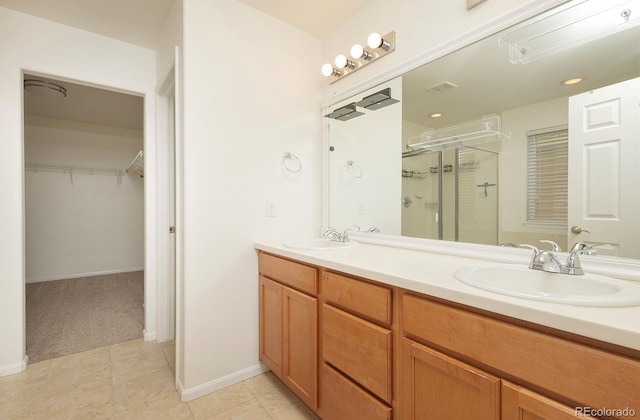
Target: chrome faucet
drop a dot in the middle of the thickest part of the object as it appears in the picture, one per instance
(335, 236)
(332, 234)
(583, 248)
(543, 260)
(372, 229)
(547, 261)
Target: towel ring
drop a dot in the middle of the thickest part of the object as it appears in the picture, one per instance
(354, 169)
(297, 166)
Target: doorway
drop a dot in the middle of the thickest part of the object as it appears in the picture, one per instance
(84, 217)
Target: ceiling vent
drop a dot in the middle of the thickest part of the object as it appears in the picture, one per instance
(441, 87)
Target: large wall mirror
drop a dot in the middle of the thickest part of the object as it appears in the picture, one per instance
(530, 134)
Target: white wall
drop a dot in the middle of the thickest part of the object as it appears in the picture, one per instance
(169, 38)
(93, 225)
(371, 141)
(251, 93)
(39, 46)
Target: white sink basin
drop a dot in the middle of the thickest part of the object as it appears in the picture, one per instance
(319, 244)
(520, 281)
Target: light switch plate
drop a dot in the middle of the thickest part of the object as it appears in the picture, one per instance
(270, 208)
(473, 3)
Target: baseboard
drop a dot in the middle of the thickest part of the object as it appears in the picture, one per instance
(75, 276)
(217, 384)
(14, 368)
(149, 336)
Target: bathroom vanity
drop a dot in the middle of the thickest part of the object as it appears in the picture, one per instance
(382, 332)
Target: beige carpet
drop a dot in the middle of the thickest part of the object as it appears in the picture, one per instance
(75, 315)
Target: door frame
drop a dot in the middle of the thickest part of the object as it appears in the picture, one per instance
(151, 210)
(166, 123)
(168, 84)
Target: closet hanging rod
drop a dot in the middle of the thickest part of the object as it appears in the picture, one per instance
(47, 167)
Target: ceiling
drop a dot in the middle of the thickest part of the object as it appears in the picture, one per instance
(87, 104)
(137, 22)
(318, 18)
(140, 22)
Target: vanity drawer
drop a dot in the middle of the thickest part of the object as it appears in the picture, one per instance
(577, 372)
(359, 348)
(342, 399)
(296, 275)
(363, 298)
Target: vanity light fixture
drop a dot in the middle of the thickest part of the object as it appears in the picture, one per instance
(358, 52)
(575, 23)
(329, 70)
(342, 62)
(572, 81)
(376, 40)
(436, 115)
(377, 47)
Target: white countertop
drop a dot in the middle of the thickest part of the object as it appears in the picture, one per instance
(431, 273)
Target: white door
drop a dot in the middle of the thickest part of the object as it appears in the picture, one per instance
(604, 174)
(171, 277)
(166, 143)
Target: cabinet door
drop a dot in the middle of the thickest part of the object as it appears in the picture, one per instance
(300, 370)
(436, 386)
(521, 404)
(270, 305)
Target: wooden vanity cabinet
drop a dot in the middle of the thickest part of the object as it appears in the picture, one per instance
(357, 349)
(436, 386)
(351, 348)
(564, 373)
(289, 324)
(519, 403)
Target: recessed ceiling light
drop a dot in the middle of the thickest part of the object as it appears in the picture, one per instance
(572, 81)
(436, 115)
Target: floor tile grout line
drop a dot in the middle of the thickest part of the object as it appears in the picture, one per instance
(113, 390)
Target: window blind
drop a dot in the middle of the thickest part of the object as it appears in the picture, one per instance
(547, 177)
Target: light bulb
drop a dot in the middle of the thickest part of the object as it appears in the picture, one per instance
(374, 40)
(327, 70)
(357, 51)
(572, 81)
(341, 61)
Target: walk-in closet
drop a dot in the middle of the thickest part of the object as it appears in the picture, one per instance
(84, 217)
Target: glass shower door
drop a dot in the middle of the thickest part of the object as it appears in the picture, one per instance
(421, 196)
(477, 197)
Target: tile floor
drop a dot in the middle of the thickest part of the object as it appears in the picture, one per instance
(134, 380)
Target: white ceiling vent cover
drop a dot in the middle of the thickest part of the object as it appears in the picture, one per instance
(441, 87)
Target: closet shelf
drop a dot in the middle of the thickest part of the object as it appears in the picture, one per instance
(137, 165)
(465, 134)
(48, 167)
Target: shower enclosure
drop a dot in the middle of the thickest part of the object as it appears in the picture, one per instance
(451, 194)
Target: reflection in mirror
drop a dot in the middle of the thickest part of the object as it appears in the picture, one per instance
(558, 161)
